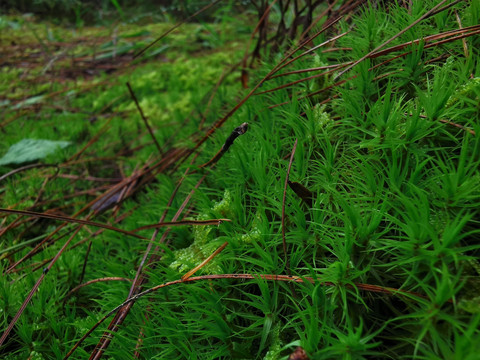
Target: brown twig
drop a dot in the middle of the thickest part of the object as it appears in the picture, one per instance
(464, 42)
(204, 262)
(84, 267)
(424, 16)
(140, 277)
(286, 278)
(221, 121)
(36, 286)
(159, 166)
(452, 36)
(132, 94)
(284, 241)
(283, 202)
(247, 48)
(28, 167)
(76, 288)
(123, 311)
(113, 228)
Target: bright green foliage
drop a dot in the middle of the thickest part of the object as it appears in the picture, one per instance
(396, 204)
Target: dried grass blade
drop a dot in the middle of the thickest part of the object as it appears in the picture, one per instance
(315, 48)
(113, 228)
(123, 311)
(221, 121)
(334, 66)
(182, 222)
(284, 241)
(72, 220)
(147, 125)
(283, 203)
(428, 40)
(35, 287)
(204, 262)
(76, 288)
(28, 167)
(464, 42)
(284, 62)
(299, 81)
(286, 278)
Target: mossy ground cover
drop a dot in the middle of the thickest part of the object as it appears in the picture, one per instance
(381, 220)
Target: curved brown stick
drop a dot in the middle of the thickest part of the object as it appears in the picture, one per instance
(76, 288)
(27, 167)
(204, 262)
(286, 278)
(424, 16)
(284, 241)
(124, 310)
(144, 118)
(283, 205)
(113, 228)
(275, 69)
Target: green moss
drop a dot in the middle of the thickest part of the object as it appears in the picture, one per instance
(469, 90)
(255, 233)
(276, 344)
(382, 216)
(202, 247)
(471, 306)
(225, 206)
(204, 243)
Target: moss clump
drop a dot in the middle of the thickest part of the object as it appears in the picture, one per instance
(204, 243)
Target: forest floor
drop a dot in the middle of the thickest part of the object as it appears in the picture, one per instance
(321, 201)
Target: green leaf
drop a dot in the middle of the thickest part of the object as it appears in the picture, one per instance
(30, 101)
(27, 150)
